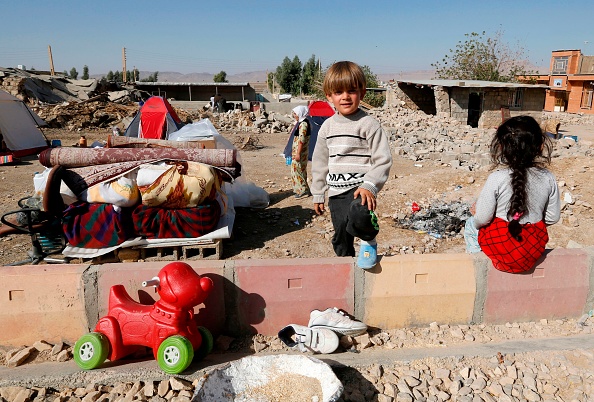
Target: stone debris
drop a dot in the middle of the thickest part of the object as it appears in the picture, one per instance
(42, 345)
(535, 376)
(20, 357)
(95, 113)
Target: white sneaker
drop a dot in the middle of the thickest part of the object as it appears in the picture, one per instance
(337, 321)
(317, 340)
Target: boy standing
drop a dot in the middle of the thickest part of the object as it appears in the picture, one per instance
(351, 161)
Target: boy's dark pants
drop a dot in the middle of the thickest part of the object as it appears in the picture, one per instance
(350, 219)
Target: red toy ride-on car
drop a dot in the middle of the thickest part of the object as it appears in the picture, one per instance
(168, 326)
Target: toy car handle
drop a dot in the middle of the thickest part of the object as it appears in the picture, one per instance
(151, 282)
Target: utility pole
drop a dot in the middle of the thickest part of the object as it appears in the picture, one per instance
(124, 77)
(51, 60)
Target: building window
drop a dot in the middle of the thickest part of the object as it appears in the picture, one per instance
(560, 65)
(587, 95)
(516, 98)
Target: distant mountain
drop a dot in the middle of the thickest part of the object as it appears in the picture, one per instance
(171, 76)
(260, 76)
(407, 75)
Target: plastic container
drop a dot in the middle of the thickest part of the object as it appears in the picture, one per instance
(270, 378)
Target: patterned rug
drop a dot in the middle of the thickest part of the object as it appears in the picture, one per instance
(71, 157)
(133, 142)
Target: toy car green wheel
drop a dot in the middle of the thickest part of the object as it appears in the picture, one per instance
(206, 345)
(175, 354)
(91, 350)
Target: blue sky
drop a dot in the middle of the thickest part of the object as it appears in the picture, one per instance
(390, 36)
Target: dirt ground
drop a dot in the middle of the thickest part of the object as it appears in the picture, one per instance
(288, 228)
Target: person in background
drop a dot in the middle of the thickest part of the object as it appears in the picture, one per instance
(351, 162)
(216, 102)
(517, 202)
(299, 152)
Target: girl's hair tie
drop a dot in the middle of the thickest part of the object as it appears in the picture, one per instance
(517, 216)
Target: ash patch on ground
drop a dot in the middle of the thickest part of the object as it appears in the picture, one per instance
(439, 219)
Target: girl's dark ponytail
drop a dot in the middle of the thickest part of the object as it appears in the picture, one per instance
(519, 143)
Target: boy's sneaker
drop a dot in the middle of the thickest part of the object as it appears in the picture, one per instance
(317, 340)
(337, 321)
(367, 256)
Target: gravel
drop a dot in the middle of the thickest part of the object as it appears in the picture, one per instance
(549, 360)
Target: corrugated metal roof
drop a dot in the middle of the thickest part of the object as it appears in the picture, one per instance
(472, 84)
(198, 84)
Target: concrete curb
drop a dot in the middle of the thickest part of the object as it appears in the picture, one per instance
(62, 302)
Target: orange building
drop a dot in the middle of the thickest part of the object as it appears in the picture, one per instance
(571, 82)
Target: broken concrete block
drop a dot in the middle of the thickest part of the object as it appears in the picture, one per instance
(42, 345)
(63, 356)
(57, 348)
(20, 357)
(178, 384)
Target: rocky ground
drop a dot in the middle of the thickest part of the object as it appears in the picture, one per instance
(438, 164)
(423, 173)
(449, 362)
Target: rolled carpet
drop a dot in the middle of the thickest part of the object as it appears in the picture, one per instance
(71, 157)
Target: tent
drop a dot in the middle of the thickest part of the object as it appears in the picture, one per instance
(19, 127)
(319, 111)
(156, 119)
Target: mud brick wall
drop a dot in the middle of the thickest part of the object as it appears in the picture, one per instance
(14, 86)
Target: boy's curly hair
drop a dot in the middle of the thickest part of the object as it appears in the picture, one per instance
(520, 143)
(344, 76)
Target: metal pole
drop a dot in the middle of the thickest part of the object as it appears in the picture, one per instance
(124, 74)
(51, 60)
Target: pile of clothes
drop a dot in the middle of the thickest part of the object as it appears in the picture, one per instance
(150, 189)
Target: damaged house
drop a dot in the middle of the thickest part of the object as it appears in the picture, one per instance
(480, 104)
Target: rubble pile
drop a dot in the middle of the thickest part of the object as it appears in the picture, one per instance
(444, 141)
(88, 114)
(569, 119)
(35, 87)
(255, 122)
(14, 85)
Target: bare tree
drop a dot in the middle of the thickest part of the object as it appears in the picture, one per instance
(484, 58)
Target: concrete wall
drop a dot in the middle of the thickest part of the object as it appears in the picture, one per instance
(454, 101)
(422, 98)
(270, 107)
(62, 302)
(199, 92)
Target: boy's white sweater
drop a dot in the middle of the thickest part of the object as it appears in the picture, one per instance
(351, 151)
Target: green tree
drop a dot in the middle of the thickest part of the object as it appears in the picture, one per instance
(311, 74)
(270, 82)
(109, 76)
(73, 73)
(370, 77)
(151, 78)
(483, 58)
(85, 75)
(288, 75)
(220, 77)
(373, 98)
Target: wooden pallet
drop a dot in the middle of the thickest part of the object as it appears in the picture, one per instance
(207, 250)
